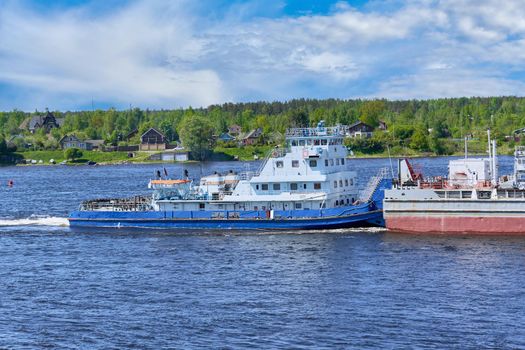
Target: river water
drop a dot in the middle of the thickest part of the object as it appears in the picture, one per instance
(358, 288)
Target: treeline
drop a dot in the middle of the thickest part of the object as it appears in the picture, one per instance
(421, 125)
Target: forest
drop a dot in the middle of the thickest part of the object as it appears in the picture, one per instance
(435, 126)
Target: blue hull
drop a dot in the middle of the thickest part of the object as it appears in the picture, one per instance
(365, 214)
(165, 220)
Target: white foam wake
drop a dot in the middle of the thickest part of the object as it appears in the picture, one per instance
(34, 220)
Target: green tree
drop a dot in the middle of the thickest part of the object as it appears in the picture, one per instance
(371, 111)
(196, 133)
(73, 153)
(419, 140)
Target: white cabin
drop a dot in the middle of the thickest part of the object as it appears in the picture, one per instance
(310, 172)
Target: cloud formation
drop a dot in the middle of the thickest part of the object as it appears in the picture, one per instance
(164, 54)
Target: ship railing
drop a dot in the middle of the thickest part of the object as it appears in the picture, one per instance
(138, 203)
(367, 194)
(247, 175)
(318, 131)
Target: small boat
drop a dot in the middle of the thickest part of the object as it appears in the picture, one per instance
(307, 184)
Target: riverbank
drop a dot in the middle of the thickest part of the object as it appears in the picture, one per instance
(247, 153)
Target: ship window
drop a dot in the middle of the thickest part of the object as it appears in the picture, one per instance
(255, 207)
(336, 203)
(331, 162)
(346, 182)
(304, 186)
(347, 201)
(301, 143)
(317, 142)
(298, 205)
(342, 161)
(335, 184)
(276, 187)
(313, 163)
(256, 187)
(201, 205)
(322, 205)
(337, 161)
(317, 186)
(294, 142)
(293, 187)
(295, 164)
(279, 164)
(340, 183)
(351, 182)
(309, 142)
(264, 187)
(323, 142)
(326, 162)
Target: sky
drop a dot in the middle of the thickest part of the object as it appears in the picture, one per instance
(78, 54)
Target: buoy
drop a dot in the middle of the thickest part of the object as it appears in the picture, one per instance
(10, 183)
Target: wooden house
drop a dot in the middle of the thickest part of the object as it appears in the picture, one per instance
(234, 129)
(252, 137)
(46, 122)
(153, 140)
(359, 129)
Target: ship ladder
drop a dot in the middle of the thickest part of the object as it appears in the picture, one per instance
(367, 194)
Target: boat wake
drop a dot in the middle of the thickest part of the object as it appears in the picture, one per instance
(35, 220)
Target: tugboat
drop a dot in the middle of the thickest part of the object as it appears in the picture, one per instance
(307, 184)
(472, 199)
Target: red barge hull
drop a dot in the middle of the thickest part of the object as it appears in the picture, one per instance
(444, 224)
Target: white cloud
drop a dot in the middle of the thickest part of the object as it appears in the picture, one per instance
(163, 54)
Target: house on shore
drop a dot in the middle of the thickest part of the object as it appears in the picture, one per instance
(153, 140)
(225, 137)
(234, 129)
(72, 141)
(45, 121)
(96, 145)
(359, 130)
(252, 137)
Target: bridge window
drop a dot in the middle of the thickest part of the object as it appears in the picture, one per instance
(264, 187)
(317, 186)
(201, 205)
(293, 186)
(279, 164)
(342, 161)
(351, 182)
(294, 142)
(326, 162)
(313, 163)
(340, 183)
(295, 164)
(335, 184)
(298, 205)
(304, 186)
(346, 182)
(276, 187)
(331, 162)
(257, 187)
(324, 142)
(317, 142)
(337, 161)
(301, 142)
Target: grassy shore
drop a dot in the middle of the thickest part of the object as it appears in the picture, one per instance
(246, 153)
(95, 156)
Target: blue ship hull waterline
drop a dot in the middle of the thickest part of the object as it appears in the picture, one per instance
(364, 214)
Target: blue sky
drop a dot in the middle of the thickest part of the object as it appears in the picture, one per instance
(64, 54)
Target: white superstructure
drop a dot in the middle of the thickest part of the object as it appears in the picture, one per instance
(310, 172)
